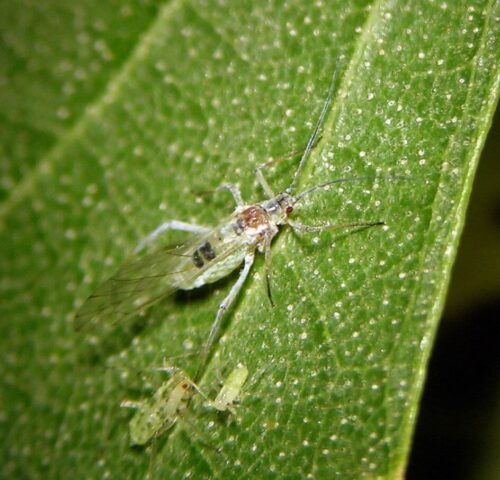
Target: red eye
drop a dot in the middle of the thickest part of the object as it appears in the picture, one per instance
(289, 209)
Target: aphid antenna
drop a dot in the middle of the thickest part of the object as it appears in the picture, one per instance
(199, 390)
(166, 361)
(170, 369)
(347, 180)
(148, 371)
(312, 140)
(118, 369)
(164, 368)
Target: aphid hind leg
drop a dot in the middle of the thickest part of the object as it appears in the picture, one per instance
(170, 225)
(226, 303)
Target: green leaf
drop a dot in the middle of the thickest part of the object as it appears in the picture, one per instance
(211, 90)
(57, 58)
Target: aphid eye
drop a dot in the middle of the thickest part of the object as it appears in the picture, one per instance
(289, 209)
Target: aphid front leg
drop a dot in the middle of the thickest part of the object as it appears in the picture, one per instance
(235, 192)
(249, 258)
(262, 180)
(170, 225)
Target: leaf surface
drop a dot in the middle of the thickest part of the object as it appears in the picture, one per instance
(337, 366)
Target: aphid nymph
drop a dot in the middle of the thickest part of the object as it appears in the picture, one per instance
(160, 412)
(230, 391)
(211, 253)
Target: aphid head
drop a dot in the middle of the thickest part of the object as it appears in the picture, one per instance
(280, 207)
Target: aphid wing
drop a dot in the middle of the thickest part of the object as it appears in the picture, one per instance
(142, 281)
(137, 284)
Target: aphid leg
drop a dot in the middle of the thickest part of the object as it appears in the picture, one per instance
(319, 228)
(201, 437)
(258, 170)
(219, 379)
(166, 426)
(131, 404)
(262, 180)
(267, 264)
(171, 225)
(249, 258)
(168, 369)
(235, 192)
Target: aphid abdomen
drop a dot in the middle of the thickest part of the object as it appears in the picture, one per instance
(146, 423)
(216, 257)
(219, 269)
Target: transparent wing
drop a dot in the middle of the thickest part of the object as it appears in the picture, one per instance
(142, 281)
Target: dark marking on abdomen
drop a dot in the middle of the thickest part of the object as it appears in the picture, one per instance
(197, 260)
(205, 252)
